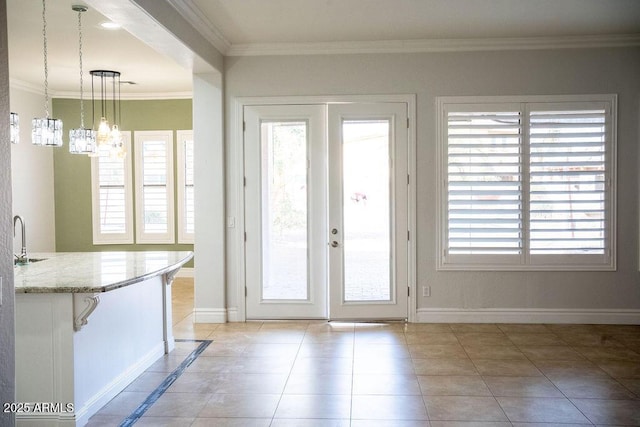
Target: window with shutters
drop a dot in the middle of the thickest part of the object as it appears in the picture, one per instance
(154, 187)
(185, 192)
(528, 183)
(112, 197)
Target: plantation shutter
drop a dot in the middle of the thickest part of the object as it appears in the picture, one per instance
(185, 187)
(568, 190)
(484, 183)
(154, 187)
(111, 178)
(189, 206)
(112, 196)
(528, 183)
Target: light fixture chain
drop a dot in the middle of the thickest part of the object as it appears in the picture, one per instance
(46, 65)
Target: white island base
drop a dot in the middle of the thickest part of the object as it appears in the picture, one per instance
(76, 351)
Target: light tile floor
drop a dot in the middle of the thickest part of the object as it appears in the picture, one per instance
(369, 375)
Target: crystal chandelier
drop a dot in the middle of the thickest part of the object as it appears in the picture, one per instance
(46, 131)
(81, 140)
(108, 135)
(14, 124)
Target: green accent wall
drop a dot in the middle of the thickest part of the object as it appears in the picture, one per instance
(72, 172)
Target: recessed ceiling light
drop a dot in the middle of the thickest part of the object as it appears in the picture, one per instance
(110, 25)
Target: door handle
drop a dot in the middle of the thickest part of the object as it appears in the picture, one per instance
(334, 244)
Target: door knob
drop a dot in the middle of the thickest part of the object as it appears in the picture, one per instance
(334, 244)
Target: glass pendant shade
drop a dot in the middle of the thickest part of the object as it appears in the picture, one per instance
(103, 133)
(82, 141)
(117, 143)
(14, 124)
(46, 132)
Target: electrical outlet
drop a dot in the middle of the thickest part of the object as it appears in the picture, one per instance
(426, 291)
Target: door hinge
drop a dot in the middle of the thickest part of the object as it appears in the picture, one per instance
(408, 235)
(408, 291)
(245, 291)
(244, 181)
(244, 126)
(407, 123)
(408, 179)
(245, 236)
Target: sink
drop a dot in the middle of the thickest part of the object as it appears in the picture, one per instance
(17, 262)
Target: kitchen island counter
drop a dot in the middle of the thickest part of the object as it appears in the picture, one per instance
(87, 325)
(83, 272)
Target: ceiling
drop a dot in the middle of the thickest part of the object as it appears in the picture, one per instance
(254, 27)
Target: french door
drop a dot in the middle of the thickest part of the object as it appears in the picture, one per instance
(326, 211)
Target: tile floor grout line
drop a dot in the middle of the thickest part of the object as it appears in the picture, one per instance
(166, 383)
(295, 359)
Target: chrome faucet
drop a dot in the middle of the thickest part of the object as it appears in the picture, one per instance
(23, 252)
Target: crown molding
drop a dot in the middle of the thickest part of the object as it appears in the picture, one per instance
(128, 96)
(38, 90)
(435, 45)
(192, 13)
(25, 86)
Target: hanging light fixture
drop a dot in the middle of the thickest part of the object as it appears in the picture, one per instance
(107, 135)
(81, 140)
(46, 131)
(14, 124)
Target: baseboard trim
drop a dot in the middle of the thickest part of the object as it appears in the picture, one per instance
(497, 315)
(209, 315)
(185, 272)
(232, 314)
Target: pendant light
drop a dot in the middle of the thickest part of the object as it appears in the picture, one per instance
(82, 140)
(109, 100)
(46, 131)
(14, 125)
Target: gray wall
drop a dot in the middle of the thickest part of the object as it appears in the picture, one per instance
(528, 72)
(7, 330)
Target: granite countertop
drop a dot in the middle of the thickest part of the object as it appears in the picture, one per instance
(92, 272)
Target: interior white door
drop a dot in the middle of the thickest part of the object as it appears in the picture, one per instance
(368, 211)
(285, 211)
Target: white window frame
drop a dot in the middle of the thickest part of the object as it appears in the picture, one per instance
(143, 237)
(182, 136)
(100, 238)
(525, 261)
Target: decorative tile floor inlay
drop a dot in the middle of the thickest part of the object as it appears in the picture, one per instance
(168, 381)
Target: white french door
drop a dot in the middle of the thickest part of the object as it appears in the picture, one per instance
(285, 212)
(326, 211)
(368, 214)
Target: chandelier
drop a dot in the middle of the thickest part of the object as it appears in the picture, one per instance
(81, 140)
(46, 131)
(108, 99)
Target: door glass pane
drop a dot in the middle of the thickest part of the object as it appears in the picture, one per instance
(284, 211)
(367, 222)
